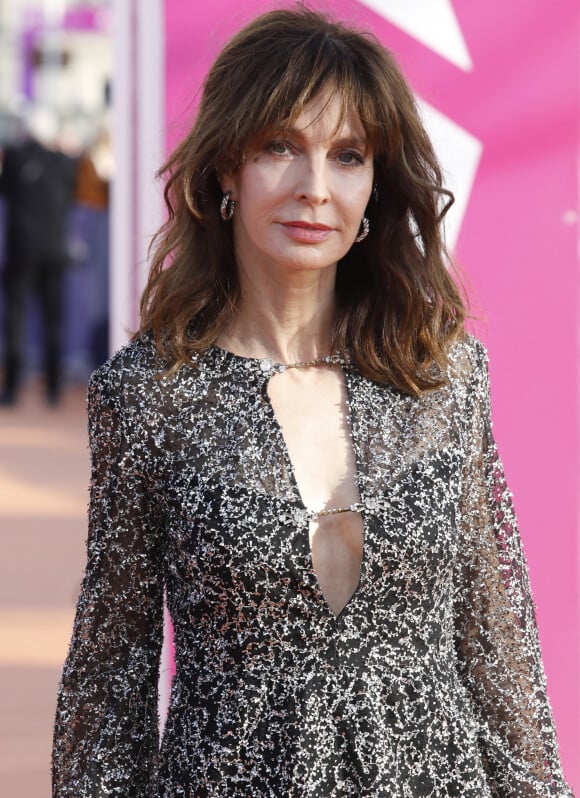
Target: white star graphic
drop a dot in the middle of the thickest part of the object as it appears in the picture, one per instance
(432, 22)
(459, 153)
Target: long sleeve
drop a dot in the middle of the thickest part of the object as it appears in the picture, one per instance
(496, 633)
(106, 737)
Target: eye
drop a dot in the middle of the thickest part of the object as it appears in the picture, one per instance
(279, 147)
(350, 157)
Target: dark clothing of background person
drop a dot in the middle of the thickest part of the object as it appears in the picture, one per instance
(37, 184)
(92, 224)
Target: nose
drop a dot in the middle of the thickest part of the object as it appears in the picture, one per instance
(312, 183)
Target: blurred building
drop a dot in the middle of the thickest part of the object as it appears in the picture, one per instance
(56, 53)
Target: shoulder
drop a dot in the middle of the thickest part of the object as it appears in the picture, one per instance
(132, 372)
(468, 375)
(468, 359)
(139, 382)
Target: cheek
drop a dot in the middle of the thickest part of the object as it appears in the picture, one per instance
(355, 194)
(253, 218)
(260, 180)
(358, 204)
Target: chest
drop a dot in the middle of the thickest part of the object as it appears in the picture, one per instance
(230, 479)
(276, 438)
(310, 409)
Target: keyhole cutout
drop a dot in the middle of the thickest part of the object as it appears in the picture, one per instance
(310, 405)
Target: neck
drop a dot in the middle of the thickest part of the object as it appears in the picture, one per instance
(285, 320)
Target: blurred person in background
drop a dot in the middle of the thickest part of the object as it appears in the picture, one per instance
(37, 182)
(95, 171)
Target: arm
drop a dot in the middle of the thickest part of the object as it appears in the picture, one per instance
(496, 634)
(105, 739)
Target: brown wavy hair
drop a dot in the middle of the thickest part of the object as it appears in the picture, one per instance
(398, 307)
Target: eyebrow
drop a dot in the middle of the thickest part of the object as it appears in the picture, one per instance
(360, 142)
(352, 141)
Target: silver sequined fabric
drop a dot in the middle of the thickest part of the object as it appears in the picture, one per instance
(428, 683)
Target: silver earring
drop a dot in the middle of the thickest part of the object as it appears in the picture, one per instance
(227, 207)
(365, 227)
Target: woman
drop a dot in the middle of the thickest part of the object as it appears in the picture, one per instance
(297, 449)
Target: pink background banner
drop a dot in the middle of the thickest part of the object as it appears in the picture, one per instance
(504, 77)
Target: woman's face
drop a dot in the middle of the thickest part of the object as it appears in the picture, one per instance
(301, 197)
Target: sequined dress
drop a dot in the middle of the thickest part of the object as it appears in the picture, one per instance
(428, 683)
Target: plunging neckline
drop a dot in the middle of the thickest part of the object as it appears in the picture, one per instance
(263, 369)
(311, 515)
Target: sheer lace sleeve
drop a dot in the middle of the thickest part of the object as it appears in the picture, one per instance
(105, 739)
(496, 630)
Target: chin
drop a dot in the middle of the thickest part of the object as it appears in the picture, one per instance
(308, 266)
(310, 261)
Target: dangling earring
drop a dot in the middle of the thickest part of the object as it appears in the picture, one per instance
(365, 227)
(227, 207)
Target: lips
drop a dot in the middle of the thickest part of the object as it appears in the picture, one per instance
(306, 232)
(307, 225)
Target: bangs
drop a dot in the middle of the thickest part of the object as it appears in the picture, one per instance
(314, 67)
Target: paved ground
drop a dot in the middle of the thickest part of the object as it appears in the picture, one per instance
(44, 470)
